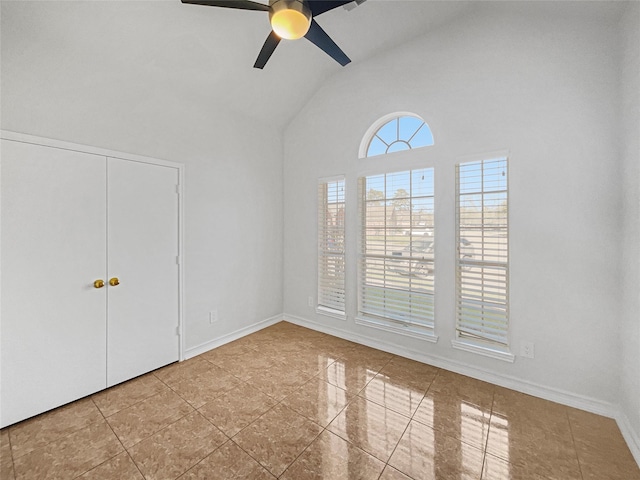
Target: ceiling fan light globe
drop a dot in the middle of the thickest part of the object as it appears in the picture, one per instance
(290, 19)
(290, 24)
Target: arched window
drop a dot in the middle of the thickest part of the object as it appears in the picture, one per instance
(396, 133)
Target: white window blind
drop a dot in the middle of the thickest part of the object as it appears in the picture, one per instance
(331, 204)
(482, 267)
(396, 248)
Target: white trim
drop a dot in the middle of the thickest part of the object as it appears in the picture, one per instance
(75, 147)
(409, 331)
(486, 351)
(375, 126)
(329, 312)
(631, 437)
(333, 178)
(564, 397)
(230, 337)
(181, 264)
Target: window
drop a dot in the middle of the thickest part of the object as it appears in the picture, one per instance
(396, 288)
(331, 247)
(402, 132)
(482, 264)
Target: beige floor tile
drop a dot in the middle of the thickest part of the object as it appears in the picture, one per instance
(279, 381)
(370, 426)
(607, 461)
(120, 467)
(311, 360)
(229, 462)
(175, 449)
(69, 456)
(258, 340)
(390, 473)
(510, 403)
(176, 372)
(202, 388)
(394, 393)
(246, 365)
(336, 347)
(426, 454)
(232, 349)
(455, 417)
(318, 400)
(463, 388)
(369, 358)
(145, 418)
(595, 433)
(277, 438)
(330, 457)
(6, 460)
(415, 374)
(522, 440)
(608, 469)
(348, 375)
(237, 408)
(121, 396)
(499, 469)
(50, 426)
(4, 438)
(285, 347)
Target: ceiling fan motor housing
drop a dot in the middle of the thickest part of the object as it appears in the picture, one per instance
(290, 19)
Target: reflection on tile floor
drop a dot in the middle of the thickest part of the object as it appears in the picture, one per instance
(292, 403)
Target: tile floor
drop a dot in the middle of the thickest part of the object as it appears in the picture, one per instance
(291, 403)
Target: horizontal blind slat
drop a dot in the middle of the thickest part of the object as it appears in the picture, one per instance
(482, 259)
(396, 247)
(331, 241)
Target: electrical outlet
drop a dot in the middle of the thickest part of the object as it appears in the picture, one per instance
(213, 316)
(527, 350)
(310, 302)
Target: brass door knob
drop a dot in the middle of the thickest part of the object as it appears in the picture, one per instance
(114, 281)
(98, 284)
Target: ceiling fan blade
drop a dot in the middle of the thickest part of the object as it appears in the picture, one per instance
(320, 6)
(319, 37)
(240, 4)
(267, 49)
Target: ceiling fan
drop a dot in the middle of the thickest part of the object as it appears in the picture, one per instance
(290, 19)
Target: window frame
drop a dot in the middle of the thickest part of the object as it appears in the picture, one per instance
(378, 124)
(466, 343)
(321, 210)
(423, 332)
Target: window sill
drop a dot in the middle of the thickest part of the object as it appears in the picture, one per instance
(409, 331)
(329, 312)
(503, 355)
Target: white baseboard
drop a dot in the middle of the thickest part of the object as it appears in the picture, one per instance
(548, 393)
(230, 337)
(630, 435)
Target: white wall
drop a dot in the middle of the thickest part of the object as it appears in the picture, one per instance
(630, 133)
(508, 76)
(233, 194)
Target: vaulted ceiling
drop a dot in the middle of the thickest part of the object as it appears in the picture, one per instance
(135, 51)
(165, 47)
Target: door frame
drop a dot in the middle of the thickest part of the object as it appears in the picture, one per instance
(49, 142)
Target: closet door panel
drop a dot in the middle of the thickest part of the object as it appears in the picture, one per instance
(53, 320)
(143, 309)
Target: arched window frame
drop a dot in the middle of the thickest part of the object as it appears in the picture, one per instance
(382, 121)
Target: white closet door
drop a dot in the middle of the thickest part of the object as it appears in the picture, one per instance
(53, 321)
(143, 310)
